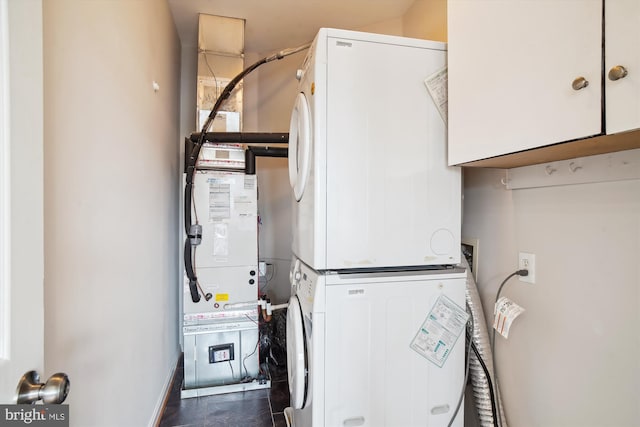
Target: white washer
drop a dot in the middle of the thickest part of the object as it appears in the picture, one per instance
(348, 353)
(367, 156)
(305, 346)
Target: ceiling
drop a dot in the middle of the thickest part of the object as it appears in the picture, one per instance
(273, 25)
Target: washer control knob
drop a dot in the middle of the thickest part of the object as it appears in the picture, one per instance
(251, 281)
(299, 74)
(252, 273)
(297, 275)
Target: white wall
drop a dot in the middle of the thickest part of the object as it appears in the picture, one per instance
(277, 89)
(25, 216)
(571, 359)
(274, 206)
(188, 90)
(111, 205)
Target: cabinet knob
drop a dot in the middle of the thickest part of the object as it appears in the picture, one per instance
(579, 83)
(618, 72)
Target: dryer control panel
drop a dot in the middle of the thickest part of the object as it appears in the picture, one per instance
(308, 285)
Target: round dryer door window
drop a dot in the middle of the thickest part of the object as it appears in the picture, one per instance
(299, 146)
(296, 354)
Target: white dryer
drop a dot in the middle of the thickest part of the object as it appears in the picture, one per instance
(305, 346)
(367, 156)
(348, 349)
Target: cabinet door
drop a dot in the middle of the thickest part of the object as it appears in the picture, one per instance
(511, 67)
(622, 38)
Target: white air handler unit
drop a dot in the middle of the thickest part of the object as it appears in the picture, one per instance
(221, 344)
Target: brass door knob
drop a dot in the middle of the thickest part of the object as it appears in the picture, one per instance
(579, 83)
(618, 72)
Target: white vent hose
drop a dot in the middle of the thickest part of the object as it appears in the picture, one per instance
(480, 337)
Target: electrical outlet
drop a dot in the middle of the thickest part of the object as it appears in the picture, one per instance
(527, 261)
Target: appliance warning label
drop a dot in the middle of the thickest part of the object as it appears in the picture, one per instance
(437, 86)
(439, 332)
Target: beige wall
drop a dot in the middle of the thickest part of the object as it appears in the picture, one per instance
(571, 359)
(426, 19)
(111, 205)
(392, 27)
(277, 88)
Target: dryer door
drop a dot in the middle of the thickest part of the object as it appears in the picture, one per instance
(297, 359)
(299, 146)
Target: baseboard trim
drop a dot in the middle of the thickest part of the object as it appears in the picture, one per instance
(164, 396)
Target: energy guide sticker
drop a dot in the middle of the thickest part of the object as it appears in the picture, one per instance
(439, 332)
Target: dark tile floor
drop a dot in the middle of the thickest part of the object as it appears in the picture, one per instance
(258, 408)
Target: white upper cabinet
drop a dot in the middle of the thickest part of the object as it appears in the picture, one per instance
(525, 74)
(622, 65)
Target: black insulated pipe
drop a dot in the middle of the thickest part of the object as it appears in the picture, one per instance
(243, 137)
(193, 280)
(238, 137)
(252, 152)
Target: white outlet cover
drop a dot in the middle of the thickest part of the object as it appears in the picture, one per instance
(527, 261)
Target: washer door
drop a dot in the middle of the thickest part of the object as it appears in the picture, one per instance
(299, 146)
(297, 360)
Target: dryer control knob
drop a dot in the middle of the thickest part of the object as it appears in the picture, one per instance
(299, 74)
(297, 276)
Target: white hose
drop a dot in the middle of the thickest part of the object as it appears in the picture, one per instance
(263, 304)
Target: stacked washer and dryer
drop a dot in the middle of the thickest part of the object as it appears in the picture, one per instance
(376, 236)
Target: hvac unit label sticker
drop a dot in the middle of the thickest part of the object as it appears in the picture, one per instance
(439, 332)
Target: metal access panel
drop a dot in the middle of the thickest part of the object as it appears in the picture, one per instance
(220, 354)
